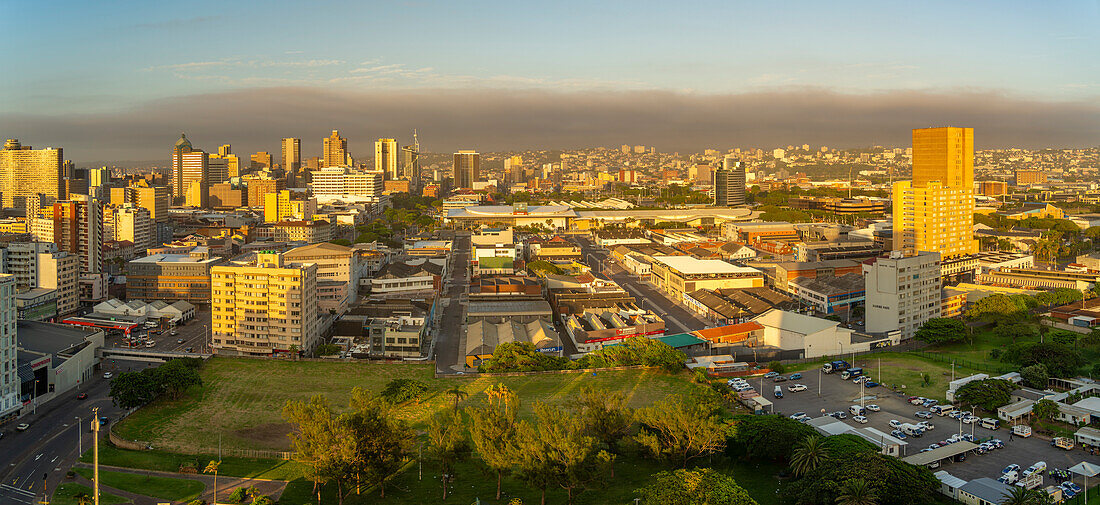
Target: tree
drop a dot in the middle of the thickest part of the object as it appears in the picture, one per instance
(694, 487)
(493, 428)
(1045, 409)
(768, 437)
(1018, 495)
(557, 451)
(857, 492)
(808, 455)
(381, 441)
(1014, 331)
(1035, 376)
(177, 375)
(131, 390)
(776, 366)
(398, 391)
(316, 438)
(448, 444)
(941, 330)
(521, 357)
(636, 351)
(1060, 361)
(606, 416)
(326, 350)
(987, 394)
(999, 308)
(679, 431)
(212, 467)
(459, 393)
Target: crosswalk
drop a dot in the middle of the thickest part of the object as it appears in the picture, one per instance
(9, 493)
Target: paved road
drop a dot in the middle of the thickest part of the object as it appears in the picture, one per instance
(678, 319)
(447, 353)
(50, 445)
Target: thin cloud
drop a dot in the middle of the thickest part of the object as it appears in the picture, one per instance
(503, 119)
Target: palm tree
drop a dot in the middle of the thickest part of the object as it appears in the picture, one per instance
(808, 455)
(856, 492)
(1024, 496)
(459, 394)
(212, 467)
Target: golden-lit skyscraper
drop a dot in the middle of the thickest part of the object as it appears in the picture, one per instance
(291, 155)
(935, 211)
(190, 173)
(25, 172)
(385, 158)
(467, 168)
(334, 150)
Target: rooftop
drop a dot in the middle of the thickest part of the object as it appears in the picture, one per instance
(690, 265)
(50, 338)
(793, 321)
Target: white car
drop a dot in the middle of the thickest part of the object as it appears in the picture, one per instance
(894, 423)
(108, 375)
(796, 388)
(970, 420)
(926, 425)
(873, 408)
(860, 419)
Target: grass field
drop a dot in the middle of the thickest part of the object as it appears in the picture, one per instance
(157, 487)
(472, 483)
(241, 400)
(902, 369)
(172, 462)
(65, 494)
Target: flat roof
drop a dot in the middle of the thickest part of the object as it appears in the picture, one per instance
(508, 306)
(947, 451)
(690, 265)
(49, 338)
(174, 258)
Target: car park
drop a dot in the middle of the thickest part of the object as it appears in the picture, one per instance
(873, 408)
(860, 419)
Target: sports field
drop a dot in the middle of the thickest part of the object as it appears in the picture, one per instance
(241, 400)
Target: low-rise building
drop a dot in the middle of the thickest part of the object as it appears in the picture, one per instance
(815, 337)
(405, 277)
(178, 311)
(37, 304)
(310, 232)
(678, 275)
(55, 358)
(830, 295)
(1040, 279)
(483, 337)
(338, 273)
(172, 277)
(825, 251)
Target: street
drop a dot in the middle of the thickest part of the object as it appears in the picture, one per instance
(678, 319)
(50, 446)
(448, 357)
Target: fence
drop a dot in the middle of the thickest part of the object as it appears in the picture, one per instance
(138, 445)
(973, 365)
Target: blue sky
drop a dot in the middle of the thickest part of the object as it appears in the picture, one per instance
(102, 57)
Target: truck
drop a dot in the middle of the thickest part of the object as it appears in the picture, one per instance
(1062, 443)
(1021, 430)
(835, 366)
(851, 373)
(1031, 480)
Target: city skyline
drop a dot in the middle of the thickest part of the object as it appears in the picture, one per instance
(837, 75)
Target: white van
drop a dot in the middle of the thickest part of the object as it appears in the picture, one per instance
(856, 410)
(990, 423)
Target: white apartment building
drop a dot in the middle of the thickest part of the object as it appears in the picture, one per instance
(902, 292)
(9, 361)
(341, 182)
(263, 307)
(41, 265)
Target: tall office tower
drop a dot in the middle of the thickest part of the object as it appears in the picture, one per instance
(935, 211)
(10, 382)
(385, 158)
(155, 199)
(729, 183)
(98, 177)
(41, 265)
(263, 307)
(25, 171)
(225, 150)
(218, 170)
(129, 222)
(262, 160)
(467, 166)
(78, 229)
(259, 185)
(334, 150)
(513, 166)
(292, 155)
(190, 173)
(902, 292)
(412, 164)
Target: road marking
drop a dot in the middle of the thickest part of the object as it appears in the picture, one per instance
(16, 489)
(38, 457)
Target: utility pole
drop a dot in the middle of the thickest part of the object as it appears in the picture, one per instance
(79, 439)
(95, 456)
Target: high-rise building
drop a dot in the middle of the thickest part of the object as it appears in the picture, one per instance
(385, 158)
(25, 171)
(10, 383)
(279, 206)
(190, 173)
(225, 150)
(513, 166)
(334, 150)
(262, 160)
(78, 229)
(467, 168)
(291, 155)
(155, 199)
(129, 222)
(41, 265)
(99, 177)
(935, 211)
(259, 185)
(217, 171)
(902, 293)
(729, 183)
(264, 307)
(343, 181)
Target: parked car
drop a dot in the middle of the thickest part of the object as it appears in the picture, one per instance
(860, 419)
(796, 388)
(179, 340)
(82, 396)
(898, 435)
(1071, 485)
(104, 420)
(770, 375)
(917, 400)
(108, 375)
(873, 407)
(778, 392)
(1011, 468)
(1039, 466)
(798, 416)
(928, 426)
(923, 414)
(779, 378)
(1067, 492)
(189, 349)
(894, 423)
(22, 427)
(795, 376)
(839, 415)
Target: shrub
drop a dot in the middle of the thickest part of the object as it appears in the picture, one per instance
(399, 391)
(777, 367)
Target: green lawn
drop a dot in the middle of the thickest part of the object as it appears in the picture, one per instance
(273, 469)
(65, 494)
(900, 369)
(157, 487)
(241, 400)
(474, 483)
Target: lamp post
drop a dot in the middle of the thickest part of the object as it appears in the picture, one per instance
(34, 409)
(79, 439)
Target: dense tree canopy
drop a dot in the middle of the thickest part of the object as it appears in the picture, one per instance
(402, 390)
(1001, 308)
(893, 481)
(942, 330)
(987, 394)
(694, 487)
(635, 351)
(134, 389)
(767, 437)
(1059, 359)
(521, 357)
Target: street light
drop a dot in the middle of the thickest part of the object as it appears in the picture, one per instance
(34, 409)
(79, 439)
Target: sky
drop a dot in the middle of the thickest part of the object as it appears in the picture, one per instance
(120, 80)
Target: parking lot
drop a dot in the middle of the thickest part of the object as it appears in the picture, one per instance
(837, 394)
(193, 333)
